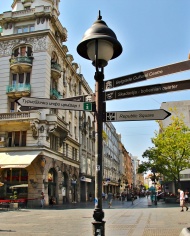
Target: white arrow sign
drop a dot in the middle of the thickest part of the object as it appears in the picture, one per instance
(136, 115)
(50, 103)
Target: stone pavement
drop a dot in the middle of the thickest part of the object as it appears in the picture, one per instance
(75, 219)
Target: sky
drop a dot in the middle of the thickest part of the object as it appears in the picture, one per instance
(152, 33)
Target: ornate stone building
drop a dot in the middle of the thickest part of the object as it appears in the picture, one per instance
(111, 159)
(39, 147)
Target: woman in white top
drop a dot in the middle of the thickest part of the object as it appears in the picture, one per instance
(182, 200)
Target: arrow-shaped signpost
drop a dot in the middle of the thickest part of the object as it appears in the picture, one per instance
(81, 98)
(56, 104)
(140, 115)
(148, 74)
(147, 90)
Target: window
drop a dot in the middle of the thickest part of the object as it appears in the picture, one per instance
(53, 84)
(24, 29)
(12, 106)
(54, 140)
(20, 79)
(67, 150)
(73, 153)
(22, 51)
(70, 127)
(16, 175)
(54, 58)
(17, 139)
(76, 155)
(75, 132)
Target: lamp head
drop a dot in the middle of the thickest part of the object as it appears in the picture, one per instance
(101, 36)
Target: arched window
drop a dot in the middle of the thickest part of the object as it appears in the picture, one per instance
(22, 51)
(54, 58)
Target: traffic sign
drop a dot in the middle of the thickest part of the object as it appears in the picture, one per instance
(148, 74)
(147, 90)
(50, 103)
(159, 114)
(81, 98)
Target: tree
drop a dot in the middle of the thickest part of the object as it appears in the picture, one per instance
(171, 152)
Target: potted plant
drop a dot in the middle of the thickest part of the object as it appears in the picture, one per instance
(13, 204)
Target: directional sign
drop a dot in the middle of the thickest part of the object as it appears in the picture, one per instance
(50, 103)
(159, 114)
(21, 109)
(81, 98)
(147, 90)
(149, 74)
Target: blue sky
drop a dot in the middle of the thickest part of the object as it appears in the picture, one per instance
(152, 34)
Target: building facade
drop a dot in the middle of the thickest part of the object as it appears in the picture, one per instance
(38, 147)
(48, 149)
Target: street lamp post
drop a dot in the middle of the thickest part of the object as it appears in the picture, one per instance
(99, 44)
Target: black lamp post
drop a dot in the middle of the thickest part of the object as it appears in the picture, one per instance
(99, 44)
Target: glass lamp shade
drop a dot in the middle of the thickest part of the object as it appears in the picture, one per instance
(105, 50)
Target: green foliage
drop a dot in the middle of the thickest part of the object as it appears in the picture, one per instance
(14, 196)
(171, 151)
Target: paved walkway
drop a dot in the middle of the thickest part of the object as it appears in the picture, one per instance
(123, 219)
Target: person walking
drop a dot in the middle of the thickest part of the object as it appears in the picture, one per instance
(90, 196)
(182, 200)
(42, 199)
(132, 198)
(186, 196)
(110, 198)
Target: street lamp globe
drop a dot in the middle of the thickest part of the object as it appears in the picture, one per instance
(99, 44)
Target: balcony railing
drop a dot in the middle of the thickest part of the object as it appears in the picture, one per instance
(19, 115)
(55, 66)
(18, 60)
(21, 64)
(18, 88)
(55, 70)
(55, 93)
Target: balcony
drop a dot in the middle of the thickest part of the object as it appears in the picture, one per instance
(55, 70)
(17, 119)
(21, 64)
(18, 91)
(54, 94)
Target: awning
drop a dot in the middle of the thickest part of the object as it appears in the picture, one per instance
(19, 186)
(17, 159)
